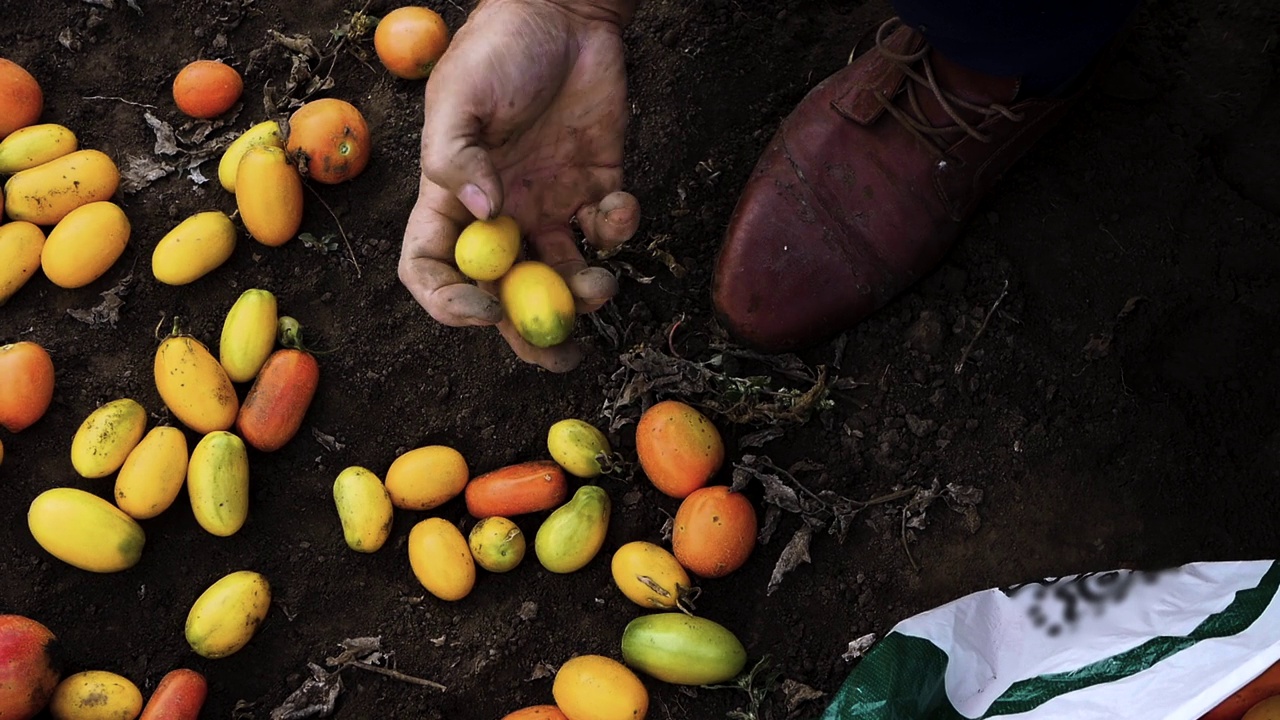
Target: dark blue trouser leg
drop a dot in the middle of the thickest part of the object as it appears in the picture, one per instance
(1045, 43)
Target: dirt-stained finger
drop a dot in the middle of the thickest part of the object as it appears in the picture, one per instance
(592, 288)
(611, 222)
(426, 263)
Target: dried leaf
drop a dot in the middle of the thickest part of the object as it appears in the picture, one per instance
(316, 698)
(761, 437)
(541, 671)
(197, 177)
(796, 552)
(107, 312)
(108, 4)
(1129, 306)
(166, 138)
(68, 40)
(134, 4)
(139, 172)
(1098, 347)
(797, 694)
(328, 442)
(859, 647)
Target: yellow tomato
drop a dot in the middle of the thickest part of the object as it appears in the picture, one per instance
(95, 695)
(249, 334)
(194, 385)
(427, 477)
(650, 576)
(105, 438)
(264, 133)
(226, 615)
(486, 249)
(35, 145)
(85, 531)
(153, 474)
(218, 483)
(45, 193)
(364, 508)
(85, 244)
(595, 687)
(194, 248)
(269, 195)
(578, 446)
(441, 559)
(497, 544)
(538, 302)
(21, 245)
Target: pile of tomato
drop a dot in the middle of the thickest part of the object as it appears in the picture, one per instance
(252, 386)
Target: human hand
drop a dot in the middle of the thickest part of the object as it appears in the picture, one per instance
(525, 115)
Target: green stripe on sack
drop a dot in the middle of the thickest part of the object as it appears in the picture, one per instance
(903, 677)
(1231, 620)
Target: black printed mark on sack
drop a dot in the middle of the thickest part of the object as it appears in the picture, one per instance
(1060, 602)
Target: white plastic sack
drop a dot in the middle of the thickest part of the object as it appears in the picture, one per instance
(1170, 645)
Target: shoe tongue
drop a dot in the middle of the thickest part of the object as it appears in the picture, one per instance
(971, 86)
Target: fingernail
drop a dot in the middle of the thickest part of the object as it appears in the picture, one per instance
(617, 217)
(476, 201)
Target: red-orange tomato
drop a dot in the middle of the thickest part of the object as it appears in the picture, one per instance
(536, 712)
(21, 99)
(179, 696)
(29, 669)
(328, 140)
(26, 385)
(679, 449)
(206, 89)
(714, 532)
(278, 400)
(526, 487)
(1260, 688)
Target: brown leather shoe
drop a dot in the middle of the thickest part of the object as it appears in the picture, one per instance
(864, 188)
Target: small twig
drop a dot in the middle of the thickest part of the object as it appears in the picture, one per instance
(118, 99)
(906, 548)
(964, 356)
(341, 231)
(395, 674)
(884, 499)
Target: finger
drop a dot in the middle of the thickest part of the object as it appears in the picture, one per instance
(612, 221)
(426, 267)
(453, 156)
(558, 359)
(592, 288)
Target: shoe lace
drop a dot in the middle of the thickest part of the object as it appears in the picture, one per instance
(913, 117)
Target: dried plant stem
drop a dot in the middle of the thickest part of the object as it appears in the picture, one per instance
(396, 674)
(350, 252)
(964, 356)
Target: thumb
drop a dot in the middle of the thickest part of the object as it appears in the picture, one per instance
(452, 156)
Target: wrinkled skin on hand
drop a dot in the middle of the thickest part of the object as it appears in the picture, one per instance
(525, 115)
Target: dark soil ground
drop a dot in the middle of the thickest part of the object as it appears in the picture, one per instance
(1120, 407)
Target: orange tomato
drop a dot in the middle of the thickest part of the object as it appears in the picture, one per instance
(409, 40)
(536, 712)
(205, 89)
(21, 99)
(328, 140)
(26, 384)
(715, 531)
(678, 447)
